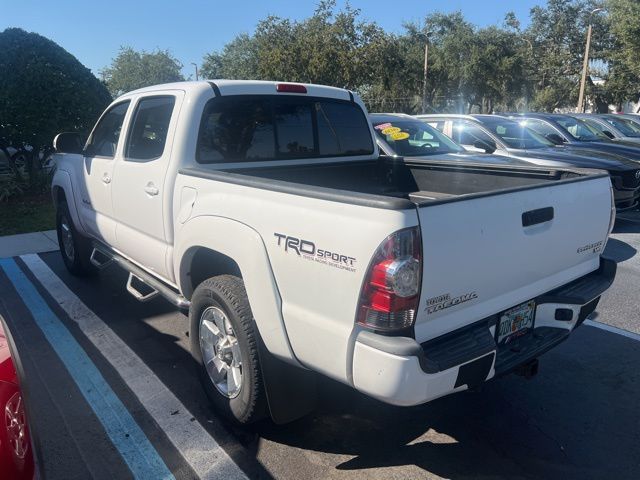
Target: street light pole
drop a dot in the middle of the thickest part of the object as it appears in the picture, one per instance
(196, 67)
(585, 66)
(424, 75)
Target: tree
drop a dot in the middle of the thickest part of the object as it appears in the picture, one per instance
(131, 70)
(557, 34)
(331, 47)
(623, 78)
(44, 90)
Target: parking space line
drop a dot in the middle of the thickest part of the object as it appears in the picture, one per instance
(609, 328)
(199, 449)
(125, 434)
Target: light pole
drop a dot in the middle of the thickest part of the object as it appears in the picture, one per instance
(585, 66)
(196, 67)
(424, 72)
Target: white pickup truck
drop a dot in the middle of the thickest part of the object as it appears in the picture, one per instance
(265, 210)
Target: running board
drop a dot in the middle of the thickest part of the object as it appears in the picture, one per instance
(101, 256)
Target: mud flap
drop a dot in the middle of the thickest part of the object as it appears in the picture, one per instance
(291, 391)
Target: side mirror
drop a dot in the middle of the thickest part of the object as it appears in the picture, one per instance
(609, 134)
(69, 142)
(554, 138)
(487, 146)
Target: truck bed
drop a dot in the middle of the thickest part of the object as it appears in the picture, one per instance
(418, 182)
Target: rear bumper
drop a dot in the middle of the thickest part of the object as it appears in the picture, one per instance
(400, 371)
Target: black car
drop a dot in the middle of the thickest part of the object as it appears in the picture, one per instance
(576, 137)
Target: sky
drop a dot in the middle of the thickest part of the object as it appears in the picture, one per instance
(94, 31)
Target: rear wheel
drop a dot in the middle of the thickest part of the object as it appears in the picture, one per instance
(75, 248)
(223, 343)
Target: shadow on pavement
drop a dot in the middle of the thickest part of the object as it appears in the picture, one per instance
(577, 419)
(619, 251)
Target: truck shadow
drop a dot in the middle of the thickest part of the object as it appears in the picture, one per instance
(619, 251)
(577, 419)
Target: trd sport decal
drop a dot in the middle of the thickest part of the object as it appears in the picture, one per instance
(308, 250)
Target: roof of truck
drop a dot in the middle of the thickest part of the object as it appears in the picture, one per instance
(250, 87)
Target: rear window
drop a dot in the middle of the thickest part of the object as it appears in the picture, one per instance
(259, 128)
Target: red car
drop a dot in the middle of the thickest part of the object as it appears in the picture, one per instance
(16, 452)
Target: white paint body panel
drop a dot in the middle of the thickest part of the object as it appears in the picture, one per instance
(481, 247)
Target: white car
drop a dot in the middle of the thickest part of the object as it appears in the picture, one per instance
(265, 210)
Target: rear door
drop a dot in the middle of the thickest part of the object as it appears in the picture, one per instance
(480, 259)
(140, 196)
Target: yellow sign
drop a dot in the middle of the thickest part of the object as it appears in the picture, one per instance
(390, 130)
(399, 135)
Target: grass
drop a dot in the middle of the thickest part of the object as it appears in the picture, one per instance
(27, 214)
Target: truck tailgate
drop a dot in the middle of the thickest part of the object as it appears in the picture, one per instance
(483, 254)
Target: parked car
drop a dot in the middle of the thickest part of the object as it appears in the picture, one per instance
(615, 127)
(16, 448)
(502, 136)
(420, 140)
(265, 210)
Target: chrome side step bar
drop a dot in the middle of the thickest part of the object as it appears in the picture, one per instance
(101, 256)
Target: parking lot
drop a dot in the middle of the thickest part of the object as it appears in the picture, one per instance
(113, 394)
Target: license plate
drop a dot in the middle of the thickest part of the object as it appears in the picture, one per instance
(515, 322)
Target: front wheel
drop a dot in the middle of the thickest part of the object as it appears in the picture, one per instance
(224, 345)
(75, 248)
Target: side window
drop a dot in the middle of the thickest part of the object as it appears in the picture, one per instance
(467, 134)
(540, 127)
(148, 131)
(104, 139)
(437, 124)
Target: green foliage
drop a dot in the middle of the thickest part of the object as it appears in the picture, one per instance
(11, 185)
(469, 69)
(623, 79)
(44, 90)
(131, 70)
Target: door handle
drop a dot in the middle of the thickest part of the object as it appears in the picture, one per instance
(534, 217)
(106, 178)
(151, 189)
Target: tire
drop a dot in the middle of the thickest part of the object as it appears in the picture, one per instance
(221, 303)
(74, 248)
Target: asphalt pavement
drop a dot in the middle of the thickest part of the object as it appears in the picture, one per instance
(84, 341)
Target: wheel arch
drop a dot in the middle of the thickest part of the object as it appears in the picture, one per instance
(207, 246)
(62, 190)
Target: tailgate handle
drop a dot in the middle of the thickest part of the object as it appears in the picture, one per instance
(534, 217)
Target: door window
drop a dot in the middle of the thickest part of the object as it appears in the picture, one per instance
(467, 134)
(104, 139)
(149, 128)
(540, 127)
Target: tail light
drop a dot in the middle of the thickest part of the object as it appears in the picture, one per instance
(391, 288)
(612, 217)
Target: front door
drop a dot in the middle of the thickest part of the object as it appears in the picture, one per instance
(100, 155)
(140, 196)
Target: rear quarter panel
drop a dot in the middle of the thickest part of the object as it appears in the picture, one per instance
(318, 296)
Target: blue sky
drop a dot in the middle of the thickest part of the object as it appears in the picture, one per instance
(94, 31)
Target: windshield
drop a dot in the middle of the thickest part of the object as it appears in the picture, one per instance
(581, 131)
(627, 127)
(515, 135)
(413, 138)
